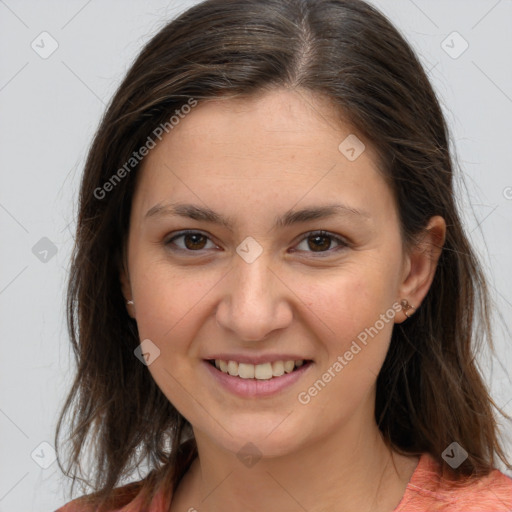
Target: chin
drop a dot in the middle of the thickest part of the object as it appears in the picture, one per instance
(260, 435)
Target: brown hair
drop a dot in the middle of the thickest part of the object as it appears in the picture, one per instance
(429, 391)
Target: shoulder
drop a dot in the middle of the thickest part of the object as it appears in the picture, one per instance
(428, 490)
(129, 498)
(153, 493)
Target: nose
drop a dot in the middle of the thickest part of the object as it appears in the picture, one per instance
(255, 302)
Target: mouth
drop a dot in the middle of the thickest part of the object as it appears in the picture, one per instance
(263, 371)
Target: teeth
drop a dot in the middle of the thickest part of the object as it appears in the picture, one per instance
(233, 368)
(289, 366)
(264, 371)
(277, 368)
(246, 371)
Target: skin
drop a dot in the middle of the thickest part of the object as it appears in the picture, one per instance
(251, 160)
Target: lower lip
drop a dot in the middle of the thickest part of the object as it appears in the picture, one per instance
(255, 387)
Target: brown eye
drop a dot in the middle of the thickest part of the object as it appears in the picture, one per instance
(190, 241)
(321, 242)
(194, 241)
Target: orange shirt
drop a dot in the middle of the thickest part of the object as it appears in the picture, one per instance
(426, 491)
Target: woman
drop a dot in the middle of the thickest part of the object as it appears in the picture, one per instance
(272, 300)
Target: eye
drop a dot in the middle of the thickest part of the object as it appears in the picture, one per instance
(321, 242)
(191, 241)
(315, 242)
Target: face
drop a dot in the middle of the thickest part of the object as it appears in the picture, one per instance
(254, 239)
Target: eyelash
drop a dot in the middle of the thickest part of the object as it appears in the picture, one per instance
(342, 242)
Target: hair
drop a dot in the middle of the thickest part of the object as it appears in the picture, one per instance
(429, 390)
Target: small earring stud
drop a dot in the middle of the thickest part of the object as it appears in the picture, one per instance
(406, 307)
(129, 302)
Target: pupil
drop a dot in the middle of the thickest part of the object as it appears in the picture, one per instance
(196, 241)
(319, 246)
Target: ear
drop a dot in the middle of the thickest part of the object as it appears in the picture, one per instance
(421, 263)
(126, 288)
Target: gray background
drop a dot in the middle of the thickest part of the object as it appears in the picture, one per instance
(50, 108)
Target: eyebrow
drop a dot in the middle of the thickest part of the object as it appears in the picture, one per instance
(205, 214)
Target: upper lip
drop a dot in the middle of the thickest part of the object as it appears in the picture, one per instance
(257, 359)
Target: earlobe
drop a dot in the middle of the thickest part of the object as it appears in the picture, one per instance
(422, 262)
(127, 292)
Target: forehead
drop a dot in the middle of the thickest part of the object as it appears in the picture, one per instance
(274, 123)
(275, 145)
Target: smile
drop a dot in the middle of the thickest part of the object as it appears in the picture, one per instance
(264, 379)
(263, 371)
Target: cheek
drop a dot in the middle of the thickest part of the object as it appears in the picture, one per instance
(350, 301)
(352, 316)
(171, 307)
(168, 300)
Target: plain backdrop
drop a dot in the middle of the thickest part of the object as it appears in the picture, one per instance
(50, 106)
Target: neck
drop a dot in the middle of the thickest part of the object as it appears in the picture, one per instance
(352, 470)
